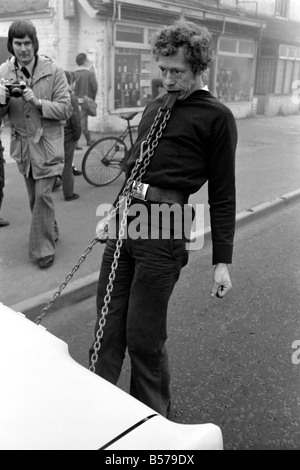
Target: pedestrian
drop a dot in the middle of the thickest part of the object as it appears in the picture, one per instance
(197, 145)
(72, 135)
(3, 222)
(86, 85)
(37, 104)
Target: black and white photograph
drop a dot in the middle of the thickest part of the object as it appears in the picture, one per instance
(149, 227)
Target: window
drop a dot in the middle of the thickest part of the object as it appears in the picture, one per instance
(282, 8)
(287, 69)
(129, 34)
(228, 45)
(235, 65)
(134, 67)
(236, 46)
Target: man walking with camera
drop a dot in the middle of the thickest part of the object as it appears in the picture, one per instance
(34, 94)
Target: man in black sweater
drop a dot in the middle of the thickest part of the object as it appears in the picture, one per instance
(197, 145)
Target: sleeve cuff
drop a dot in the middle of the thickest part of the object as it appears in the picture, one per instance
(222, 254)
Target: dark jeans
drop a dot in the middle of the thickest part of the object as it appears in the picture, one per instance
(84, 125)
(67, 175)
(147, 273)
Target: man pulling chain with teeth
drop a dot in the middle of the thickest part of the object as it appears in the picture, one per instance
(197, 146)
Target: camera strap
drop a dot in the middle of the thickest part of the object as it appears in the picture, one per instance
(146, 152)
(25, 70)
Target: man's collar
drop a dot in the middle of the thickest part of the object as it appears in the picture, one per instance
(30, 67)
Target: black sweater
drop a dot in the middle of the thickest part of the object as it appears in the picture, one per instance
(198, 145)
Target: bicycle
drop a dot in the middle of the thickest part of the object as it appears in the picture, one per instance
(105, 160)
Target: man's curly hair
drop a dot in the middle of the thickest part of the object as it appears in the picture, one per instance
(196, 40)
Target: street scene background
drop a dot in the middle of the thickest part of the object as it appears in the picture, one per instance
(231, 360)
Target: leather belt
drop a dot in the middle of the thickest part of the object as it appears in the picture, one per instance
(147, 192)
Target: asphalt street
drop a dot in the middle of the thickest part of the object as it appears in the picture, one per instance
(231, 359)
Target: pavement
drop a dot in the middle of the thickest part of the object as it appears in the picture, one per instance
(267, 173)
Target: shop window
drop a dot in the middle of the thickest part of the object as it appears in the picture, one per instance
(134, 68)
(246, 47)
(296, 75)
(287, 72)
(280, 77)
(234, 70)
(134, 72)
(287, 85)
(233, 79)
(228, 45)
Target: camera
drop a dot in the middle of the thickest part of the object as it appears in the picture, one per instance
(16, 88)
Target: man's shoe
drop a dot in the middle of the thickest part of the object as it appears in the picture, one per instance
(78, 147)
(3, 223)
(90, 142)
(72, 198)
(46, 262)
(76, 172)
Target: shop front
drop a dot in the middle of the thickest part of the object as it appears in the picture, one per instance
(134, 75)
(278, 70)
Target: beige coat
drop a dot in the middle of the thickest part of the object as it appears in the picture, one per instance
(37, 138)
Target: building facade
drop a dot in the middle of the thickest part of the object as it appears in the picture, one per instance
(256, 48)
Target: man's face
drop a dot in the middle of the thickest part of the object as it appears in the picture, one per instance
(177, 75)
(23, 50)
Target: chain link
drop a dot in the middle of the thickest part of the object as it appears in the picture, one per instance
(139, 170)
(127, 196)
(66, 281)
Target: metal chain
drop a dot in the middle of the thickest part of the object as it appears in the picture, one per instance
(127, 196)
(67, 280)
(96, 240)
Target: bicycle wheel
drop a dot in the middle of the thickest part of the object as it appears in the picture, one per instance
(102, 163)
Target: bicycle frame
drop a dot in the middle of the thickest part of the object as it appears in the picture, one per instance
(105, 160)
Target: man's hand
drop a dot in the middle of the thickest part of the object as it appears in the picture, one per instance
(29, 97)
(221, 281)
(4, 95)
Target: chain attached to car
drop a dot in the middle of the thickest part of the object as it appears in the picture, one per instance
(148, 147)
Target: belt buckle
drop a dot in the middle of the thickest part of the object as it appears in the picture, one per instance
(139, 190)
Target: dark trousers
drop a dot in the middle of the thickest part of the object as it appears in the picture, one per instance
(146, 275)
(84, 125)
(67, 176)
